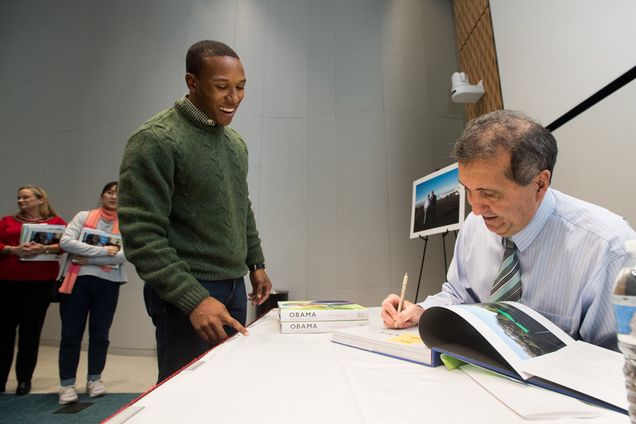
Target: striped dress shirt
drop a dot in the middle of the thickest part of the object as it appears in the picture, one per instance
(569, 254)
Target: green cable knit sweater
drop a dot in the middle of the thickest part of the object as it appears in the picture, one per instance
(184, 210)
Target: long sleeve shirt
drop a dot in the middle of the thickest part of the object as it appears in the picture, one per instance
(569, 255)
(11, 267)
(97, 255)
(184, 209)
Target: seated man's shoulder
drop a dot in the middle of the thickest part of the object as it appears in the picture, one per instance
(589, 217)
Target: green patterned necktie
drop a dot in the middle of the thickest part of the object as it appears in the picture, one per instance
(507, 285)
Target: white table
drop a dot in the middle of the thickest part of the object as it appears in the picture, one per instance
(270, 377)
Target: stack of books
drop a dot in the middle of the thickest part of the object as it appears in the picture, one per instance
(317, 316)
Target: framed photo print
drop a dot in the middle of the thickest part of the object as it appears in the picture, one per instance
(438, 203)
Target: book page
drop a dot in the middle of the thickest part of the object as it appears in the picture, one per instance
(518, 333)
(530, 402)
(399, 343)
(586, 368)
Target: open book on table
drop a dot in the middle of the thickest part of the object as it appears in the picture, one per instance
(510, 339)
(404, 344)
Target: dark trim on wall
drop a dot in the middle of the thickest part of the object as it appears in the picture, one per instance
(619, 82)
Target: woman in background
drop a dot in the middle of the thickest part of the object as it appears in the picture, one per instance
(91, 289)
(26, 286)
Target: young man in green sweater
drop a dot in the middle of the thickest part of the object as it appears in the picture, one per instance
(185, 216)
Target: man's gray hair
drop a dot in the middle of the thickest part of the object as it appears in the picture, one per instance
(532, 147)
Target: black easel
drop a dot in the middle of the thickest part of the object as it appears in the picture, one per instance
(425, 238)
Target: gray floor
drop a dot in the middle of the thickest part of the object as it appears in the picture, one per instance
(123, 374)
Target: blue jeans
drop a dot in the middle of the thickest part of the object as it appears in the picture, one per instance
(178, 343)
(94, 299)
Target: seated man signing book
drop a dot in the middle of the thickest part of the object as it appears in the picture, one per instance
(524, 241)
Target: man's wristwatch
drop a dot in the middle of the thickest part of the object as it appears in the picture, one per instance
(254, 267)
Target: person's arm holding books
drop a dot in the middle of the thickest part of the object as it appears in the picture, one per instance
(33, 249)
(21, 250)
(70, 240)
(26, 250)
(9, 249)
(115, 257)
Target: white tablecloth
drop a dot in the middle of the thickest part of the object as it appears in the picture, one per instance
(268, 377)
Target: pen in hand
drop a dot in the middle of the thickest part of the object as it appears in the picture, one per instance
(402, 295)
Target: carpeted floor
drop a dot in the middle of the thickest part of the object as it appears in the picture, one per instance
(41, 408)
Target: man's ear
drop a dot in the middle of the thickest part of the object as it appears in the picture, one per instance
(191, 81)
(543, 180)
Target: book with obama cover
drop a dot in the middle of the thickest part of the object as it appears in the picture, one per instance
(321, 310)
(307, 327)
(320, 316)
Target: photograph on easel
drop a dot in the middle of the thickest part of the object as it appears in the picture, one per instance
(438, 203)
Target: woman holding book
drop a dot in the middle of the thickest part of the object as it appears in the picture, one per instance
(90, 291)
(26, 283)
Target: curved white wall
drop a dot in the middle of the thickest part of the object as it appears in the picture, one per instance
(346, 104)
(553, 55)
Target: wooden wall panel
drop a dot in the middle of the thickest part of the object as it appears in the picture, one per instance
(467, 14)
(477, 54)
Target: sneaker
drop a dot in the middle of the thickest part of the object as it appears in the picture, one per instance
(67, 395)
(95, 388)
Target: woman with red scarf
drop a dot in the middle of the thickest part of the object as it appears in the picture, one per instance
(26, 286)
(90, 292)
